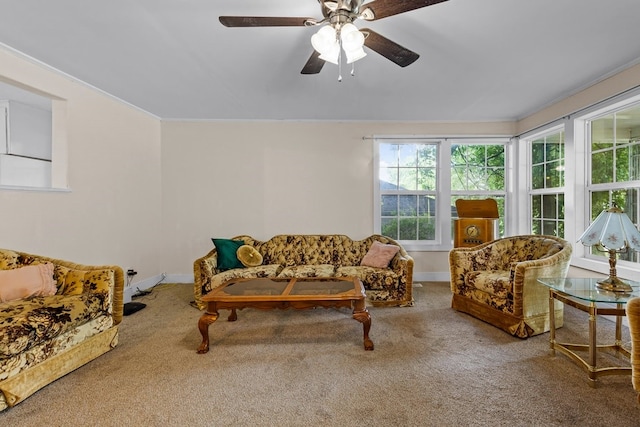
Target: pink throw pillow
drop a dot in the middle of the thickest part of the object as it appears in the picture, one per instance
(379, 255)
(33, 280)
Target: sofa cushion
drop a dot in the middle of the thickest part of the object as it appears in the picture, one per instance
(228, 253)
(25, 282)
(379, 255)
(290, 250)
(75, 282)
(322, 270)
(27, 323)
(377, 278)
(495, 283)
(270, 270)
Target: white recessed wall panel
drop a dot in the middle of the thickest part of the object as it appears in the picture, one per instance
(24, 172)
(29, 131)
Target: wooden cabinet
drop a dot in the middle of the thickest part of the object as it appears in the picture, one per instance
(477, 222)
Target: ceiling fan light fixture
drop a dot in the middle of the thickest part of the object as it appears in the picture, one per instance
(324, 38)
(352, 42)
(325, 41)
(331, 55)
(354, 55)
(351, 37)
(336, 28)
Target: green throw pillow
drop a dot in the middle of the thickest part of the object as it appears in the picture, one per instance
(227, 249)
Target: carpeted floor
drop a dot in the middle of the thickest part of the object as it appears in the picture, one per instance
(431, 366)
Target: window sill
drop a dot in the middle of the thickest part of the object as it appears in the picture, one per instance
(412, 246)
(41, 189)
(623, 271)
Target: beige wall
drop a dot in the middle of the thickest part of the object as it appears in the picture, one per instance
(222, 179)
(606, 88)
(111, 213)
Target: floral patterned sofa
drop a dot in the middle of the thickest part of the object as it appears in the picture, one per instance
(497, 281)
(316, 256)
(43, 338)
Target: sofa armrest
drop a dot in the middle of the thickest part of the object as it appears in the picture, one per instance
(525, 275)
(203, 269)
(633, 314)
(115, 281)
(402, 264)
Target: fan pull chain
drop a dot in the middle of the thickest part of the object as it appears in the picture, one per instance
(353, 68)
(340, 63)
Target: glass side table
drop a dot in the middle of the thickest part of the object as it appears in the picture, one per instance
(585, 296)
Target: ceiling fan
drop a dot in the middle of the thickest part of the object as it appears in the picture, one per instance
(340, 33)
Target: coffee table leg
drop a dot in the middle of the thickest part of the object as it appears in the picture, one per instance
(203, 325)
(363, 316)
(593, 346)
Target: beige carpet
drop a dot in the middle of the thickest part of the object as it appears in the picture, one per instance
(431, 366)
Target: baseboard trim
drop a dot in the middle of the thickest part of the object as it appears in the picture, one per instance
(150, 282)
(431, 277)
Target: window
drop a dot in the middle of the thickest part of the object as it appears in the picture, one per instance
(478, 172)
(614, 166)
(415, 195)
(546, 190)
(408, 183)
(26, 140)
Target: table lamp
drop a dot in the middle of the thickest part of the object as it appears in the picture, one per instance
(614, 232)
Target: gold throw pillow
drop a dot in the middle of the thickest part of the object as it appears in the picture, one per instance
(249, 256)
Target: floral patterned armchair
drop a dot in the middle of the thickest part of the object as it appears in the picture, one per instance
(633, 315)
(497, 281)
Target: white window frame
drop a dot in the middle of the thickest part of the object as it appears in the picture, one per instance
(526, 142)
(442, 241)
(57, 177)
(580, 158)
(577, 173)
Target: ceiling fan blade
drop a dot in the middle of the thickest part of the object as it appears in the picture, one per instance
(313, 65)
(263, 21)
(390, 50)
(384, 8)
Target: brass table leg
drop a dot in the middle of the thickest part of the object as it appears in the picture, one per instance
(552, 322)
(618, 342)
(593, 348)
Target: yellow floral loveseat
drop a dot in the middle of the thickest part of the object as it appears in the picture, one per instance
(327, 255)
(498, 281)
(43, 338)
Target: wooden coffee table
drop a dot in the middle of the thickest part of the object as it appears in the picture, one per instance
(297, 293)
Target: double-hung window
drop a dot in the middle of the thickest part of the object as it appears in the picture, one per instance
(478, 172)
(614, 165)
(417, 181)
(408, 182)
(546, 189)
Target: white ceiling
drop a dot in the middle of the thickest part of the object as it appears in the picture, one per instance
(479, 59)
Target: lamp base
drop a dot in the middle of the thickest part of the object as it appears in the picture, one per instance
(614, 284)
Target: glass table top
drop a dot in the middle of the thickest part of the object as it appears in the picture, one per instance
(585, 289)
(301, 287)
